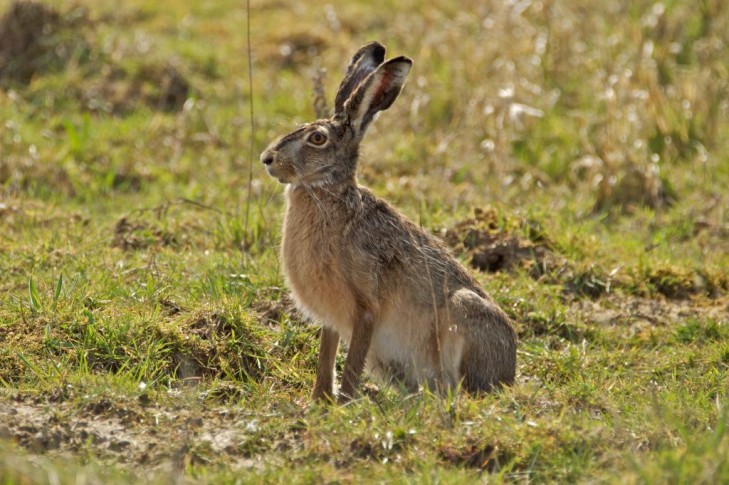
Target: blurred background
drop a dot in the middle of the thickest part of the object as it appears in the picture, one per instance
(607, 105)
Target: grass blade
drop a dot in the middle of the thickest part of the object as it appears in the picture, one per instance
(35, 303)
(57, 291)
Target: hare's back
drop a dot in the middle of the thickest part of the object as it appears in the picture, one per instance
(401, 256)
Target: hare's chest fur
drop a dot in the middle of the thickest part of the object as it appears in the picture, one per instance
(309, 253)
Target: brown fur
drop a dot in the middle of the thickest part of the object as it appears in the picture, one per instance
(392, 292)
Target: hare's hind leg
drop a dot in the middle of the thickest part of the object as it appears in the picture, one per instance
(489, 353)
(441, 370)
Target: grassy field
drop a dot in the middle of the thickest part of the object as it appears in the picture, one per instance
(575, 154)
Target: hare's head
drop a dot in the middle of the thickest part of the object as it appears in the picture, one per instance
(325, 151)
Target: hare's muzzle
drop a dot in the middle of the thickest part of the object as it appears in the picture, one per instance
(270, 160)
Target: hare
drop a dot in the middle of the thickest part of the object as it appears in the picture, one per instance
(392, 292)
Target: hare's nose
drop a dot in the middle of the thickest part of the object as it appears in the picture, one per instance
(267, 158)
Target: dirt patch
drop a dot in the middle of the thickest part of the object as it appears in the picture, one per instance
(36, 38)
(271, 311)
(161, 439)
(20, 172)
(134, 235)
(495, 242)
(294, 49)
(170, 307)
(639, 313)
(159, 86)
(173, 90)
(586, 318)
(672, 282)
(379, 447)
(491, 241)
(632, 188)
(485, 457)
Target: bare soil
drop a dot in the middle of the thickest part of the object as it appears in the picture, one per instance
(132, 433)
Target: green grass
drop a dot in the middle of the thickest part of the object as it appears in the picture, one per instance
(145, 328)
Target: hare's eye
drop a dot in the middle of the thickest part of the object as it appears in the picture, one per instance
(317, 138)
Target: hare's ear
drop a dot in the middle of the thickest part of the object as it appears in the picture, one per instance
(376, 93)
(363, 63)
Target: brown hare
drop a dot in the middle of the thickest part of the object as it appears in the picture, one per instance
(405, 308)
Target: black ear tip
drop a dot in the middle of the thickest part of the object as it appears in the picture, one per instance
(400, 60)
(376, 50)
(404, 59)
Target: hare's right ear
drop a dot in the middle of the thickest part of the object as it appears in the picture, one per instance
(364, 62)
(376, 93)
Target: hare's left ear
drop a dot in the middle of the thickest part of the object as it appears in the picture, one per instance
(376, 93)
(363, 63)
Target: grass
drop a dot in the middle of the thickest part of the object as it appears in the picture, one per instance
(576, 152)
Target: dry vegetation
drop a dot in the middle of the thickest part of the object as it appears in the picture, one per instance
(574, 154)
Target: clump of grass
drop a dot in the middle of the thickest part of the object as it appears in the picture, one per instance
(702, 457)
(220, 345)
(679, 282)
(36, 38)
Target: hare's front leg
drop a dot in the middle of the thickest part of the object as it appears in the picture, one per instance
(324, 387)
(357, 354)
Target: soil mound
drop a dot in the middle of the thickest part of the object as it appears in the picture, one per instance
(36, 38)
